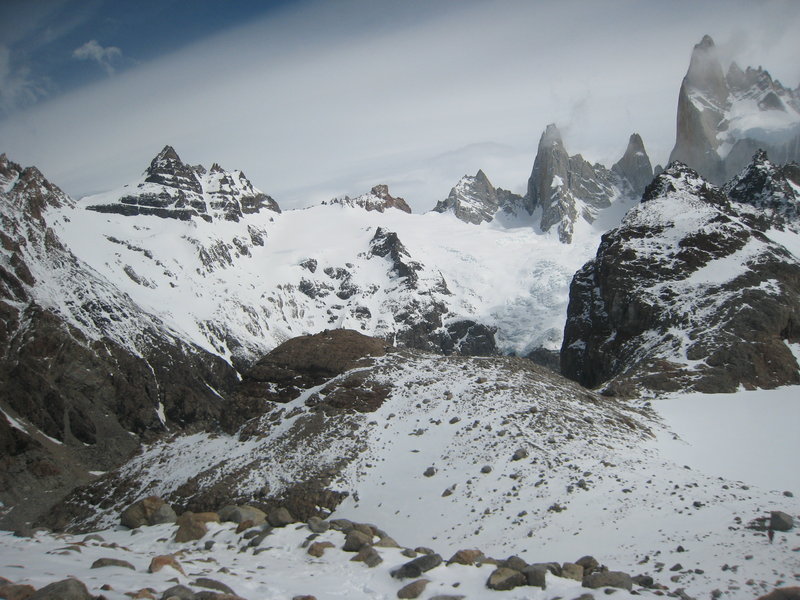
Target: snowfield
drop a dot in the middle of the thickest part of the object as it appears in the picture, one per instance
(675, 506)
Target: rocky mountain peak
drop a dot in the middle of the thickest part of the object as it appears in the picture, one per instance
(378, 199)
(173, 189)
(29, 191)
(705, 71)
(566, 187)
(475, 200)
(723, 119)
(773, 189)
(634, 166)
(680, 179)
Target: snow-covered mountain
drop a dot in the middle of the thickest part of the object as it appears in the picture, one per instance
(723, 118)
(85, 372)
(564, 192)
(240, 286)
(697, 289)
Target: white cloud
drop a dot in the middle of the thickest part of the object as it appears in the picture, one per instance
(104, 57)
(333, 98)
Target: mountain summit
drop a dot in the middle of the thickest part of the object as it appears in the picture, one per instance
(724, 118)
(172, 189)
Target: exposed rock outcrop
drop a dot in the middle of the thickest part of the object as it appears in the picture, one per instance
(173, 189)
(634, 167)
(724, 118)
(378, 199)
(565, 188)
(690, 292)
(81, 366)
(475, 200)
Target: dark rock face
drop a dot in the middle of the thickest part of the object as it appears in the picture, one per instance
(475, 200)
(688, 293)
(634, 167)
(378, 199)
(561, 185)
(171, 189)
(772, 189)
(81, 371)
(307, 361)
(709, 137)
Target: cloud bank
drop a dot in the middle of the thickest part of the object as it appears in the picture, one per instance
(325, 98)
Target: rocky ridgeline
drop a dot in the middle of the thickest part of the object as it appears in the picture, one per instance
(172, 189)
(692, 291)
(378, 199)
(711, 102)
(562, 189)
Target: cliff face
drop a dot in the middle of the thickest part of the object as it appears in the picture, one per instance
(724, 117)
(565, 188)
(691, 291)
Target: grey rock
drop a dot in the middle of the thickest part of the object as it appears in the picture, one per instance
(355, 540)
(634, 166)
(780, 521)
(239, 514)
(615, 579)
(558, 181)
(318, 525)
(213, 584)
(147, 511)
(369, 556)
(413, 589)
(178, 591)
(418, 566)
(67, 589)
(111, 562)
(536, 575)
(572, 571)
(503, 579)
(280, 517)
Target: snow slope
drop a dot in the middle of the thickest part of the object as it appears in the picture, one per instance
(225, 291)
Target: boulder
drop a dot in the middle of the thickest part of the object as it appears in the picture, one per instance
(418, 566)
(386, 542)
(280, 517)
(615, 579)
(589, 564)
(356, 540)
(536, 575)
(67, 589)
(213, 584)
(181, 592)
(504, 578)
(317, 525)
(514, 562)
(787, 593)
(192, 526)
(572, 571)
(317, 549)
(780, 521)
(369, 556)
(413, 589)
(13, 591)
(466, 557)
(111, 562)
(164, 560)
(240, 514)
(147, 511)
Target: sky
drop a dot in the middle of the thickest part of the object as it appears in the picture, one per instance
(314, 99)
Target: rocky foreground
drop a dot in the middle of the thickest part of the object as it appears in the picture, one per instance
(242, 552)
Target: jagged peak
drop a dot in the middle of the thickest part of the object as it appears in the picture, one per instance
(167, 154)
(705, 69)
(551, 137)
(679, 178)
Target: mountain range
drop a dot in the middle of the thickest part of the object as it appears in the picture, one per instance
(182, 336)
